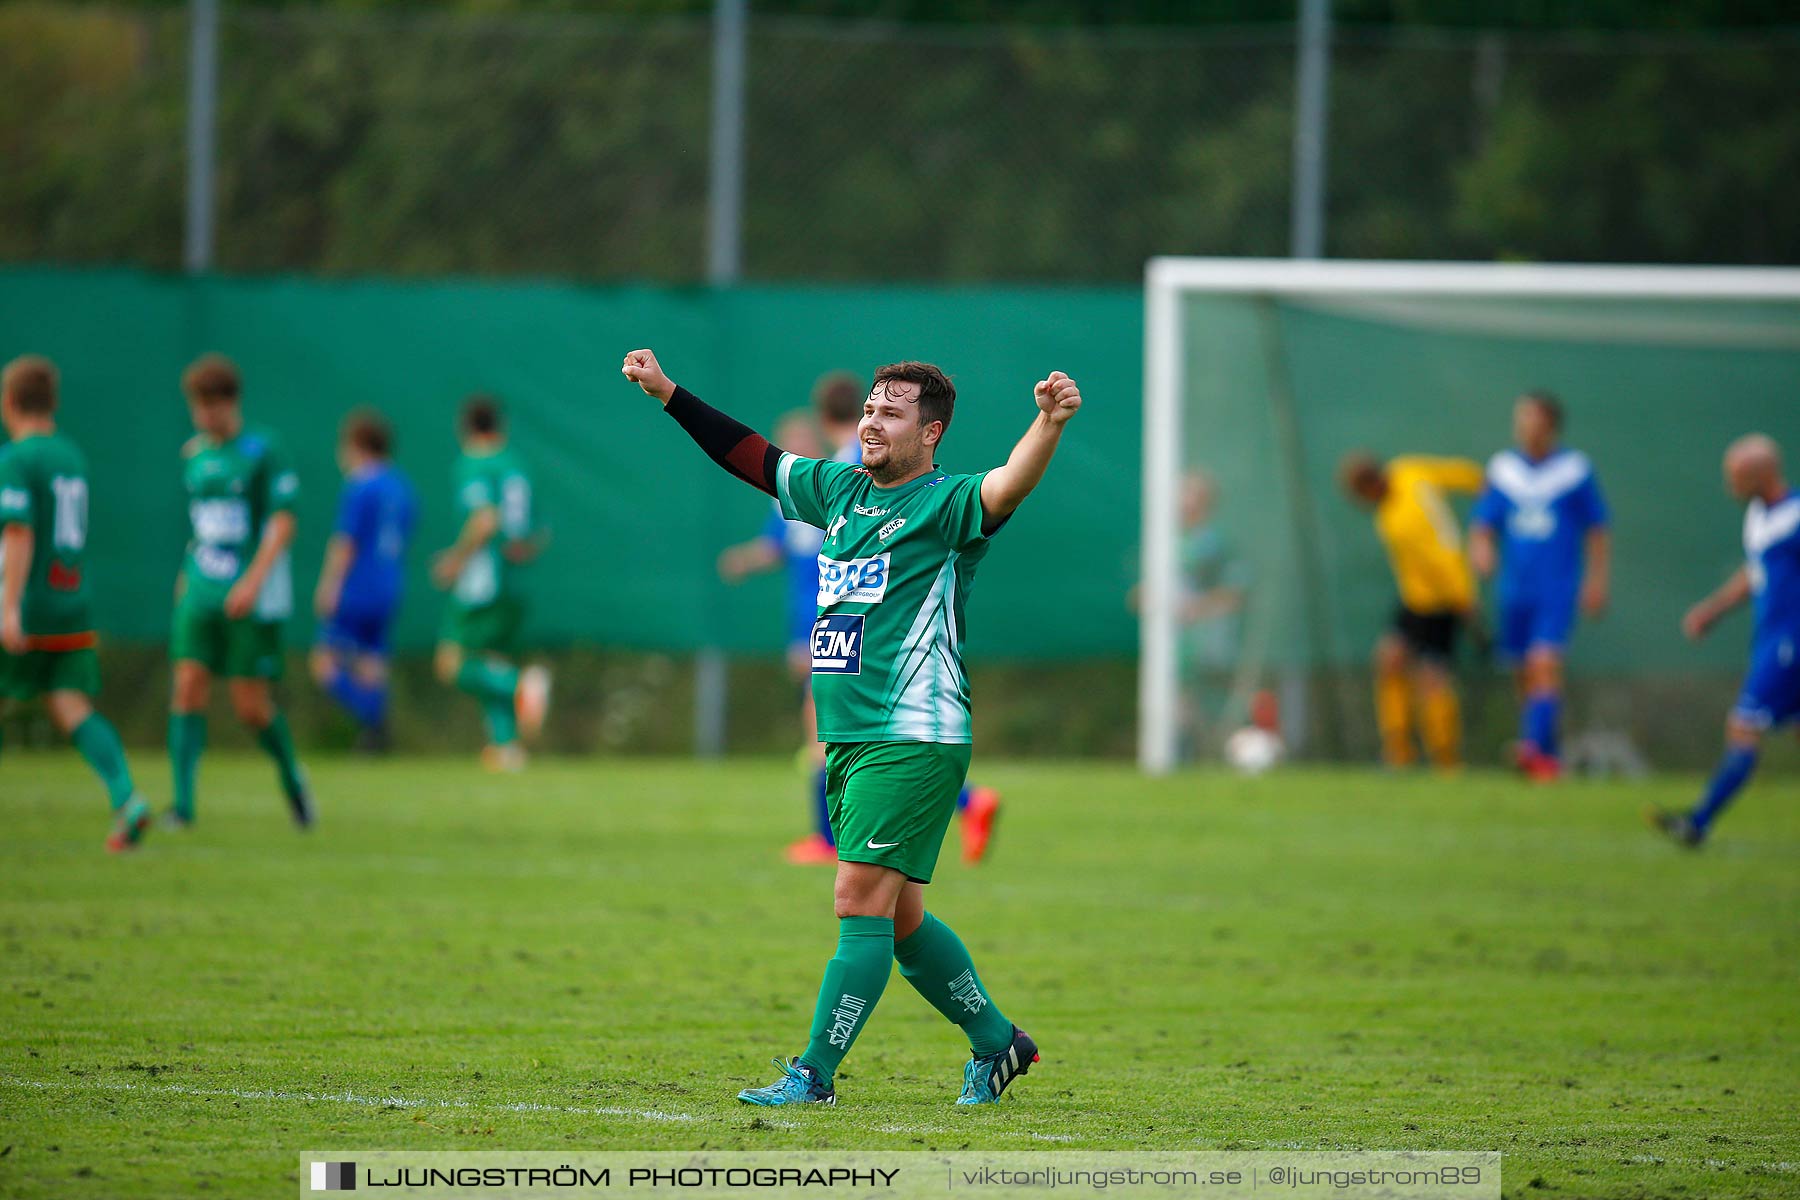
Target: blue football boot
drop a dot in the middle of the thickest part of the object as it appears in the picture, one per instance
(985, 1078)
(797, 1085)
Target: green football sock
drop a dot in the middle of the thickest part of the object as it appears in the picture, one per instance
(98, 742)
(502, 724)
(488, 680)
(938, 965)
(492, 683)
(187, 739)
(854, 979)
(278, 744)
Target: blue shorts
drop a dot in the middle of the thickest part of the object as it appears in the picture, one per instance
(1771, 692)
(357, 631)
(1528, 623)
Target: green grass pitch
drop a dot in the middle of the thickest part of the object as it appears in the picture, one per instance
(599, 954)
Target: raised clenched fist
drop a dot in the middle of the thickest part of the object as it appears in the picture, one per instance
(1058, 397)
(642, 369)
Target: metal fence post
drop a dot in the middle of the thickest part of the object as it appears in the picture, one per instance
(1312, 88)
(724, 262)
(203, 103)
(725, 197)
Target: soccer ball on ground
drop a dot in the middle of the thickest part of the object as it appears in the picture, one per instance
(1253, 750)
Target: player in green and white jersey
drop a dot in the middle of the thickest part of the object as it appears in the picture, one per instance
(902, 543)
(478, 648)
(236, 585)
(46, 634)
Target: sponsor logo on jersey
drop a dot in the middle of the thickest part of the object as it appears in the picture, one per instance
(220, 521)
(857, 581)
(860, 511)
(1532, 522)
(215, 563)
(891, 528)
(837, 523)
(837, 640)
(14, 500)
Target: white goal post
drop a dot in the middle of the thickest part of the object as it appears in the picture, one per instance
(1168, 280)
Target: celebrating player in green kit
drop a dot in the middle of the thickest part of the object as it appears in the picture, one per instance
(46, 637)
(902, 541)
(236, 585)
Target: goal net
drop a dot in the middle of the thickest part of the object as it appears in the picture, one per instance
(1263, 586)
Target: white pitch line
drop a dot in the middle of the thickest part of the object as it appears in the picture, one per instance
(178, 1089)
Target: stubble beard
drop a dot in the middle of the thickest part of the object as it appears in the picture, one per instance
(896, 466)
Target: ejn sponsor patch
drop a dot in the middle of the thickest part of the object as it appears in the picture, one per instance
(856, 581)
(837, 644)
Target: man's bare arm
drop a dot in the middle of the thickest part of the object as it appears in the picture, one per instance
(1596, 581)
(1483, 556)
(476, 532)
(18, 543)
(748, 558)
(277, 536)
(1729, 595)
(340, 553)
(1005, 487)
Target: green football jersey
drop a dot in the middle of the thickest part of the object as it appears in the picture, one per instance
(44, 484)
(894, 577)
(233, 488)
(495, 480)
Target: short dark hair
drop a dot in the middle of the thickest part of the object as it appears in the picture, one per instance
(838, 397)
(1358, 471)
(369, 432)
(1548, 403)
(212, 377)
(937, 395)
(480, 414)
(31, 381)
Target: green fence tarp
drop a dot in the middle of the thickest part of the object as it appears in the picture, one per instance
(637, 515)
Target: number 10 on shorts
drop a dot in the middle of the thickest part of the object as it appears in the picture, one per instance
(837, 644)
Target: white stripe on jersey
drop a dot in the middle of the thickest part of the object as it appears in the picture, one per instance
(783, 495)
(1765, 526)
(1525, 484)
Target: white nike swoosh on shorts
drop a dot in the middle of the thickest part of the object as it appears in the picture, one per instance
(875, 845)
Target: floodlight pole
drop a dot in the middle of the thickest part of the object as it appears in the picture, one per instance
(1311, 120)
(724, 263)
(203, 102)
(725, 196)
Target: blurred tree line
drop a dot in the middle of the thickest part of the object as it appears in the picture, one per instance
(1053, 140)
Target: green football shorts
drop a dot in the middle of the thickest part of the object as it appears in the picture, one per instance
(245, 649)
(490, 629)
(891, 802)
(37, 672)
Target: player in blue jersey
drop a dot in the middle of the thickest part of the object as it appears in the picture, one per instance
(1770, 577)
(359, 587)
(1541, 523)
(793, 548)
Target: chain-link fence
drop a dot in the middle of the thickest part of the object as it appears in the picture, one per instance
(430, 143)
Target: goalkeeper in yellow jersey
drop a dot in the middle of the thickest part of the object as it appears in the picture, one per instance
(1437, 597)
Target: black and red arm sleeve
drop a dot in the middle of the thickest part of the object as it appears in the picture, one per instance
(730, 443)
